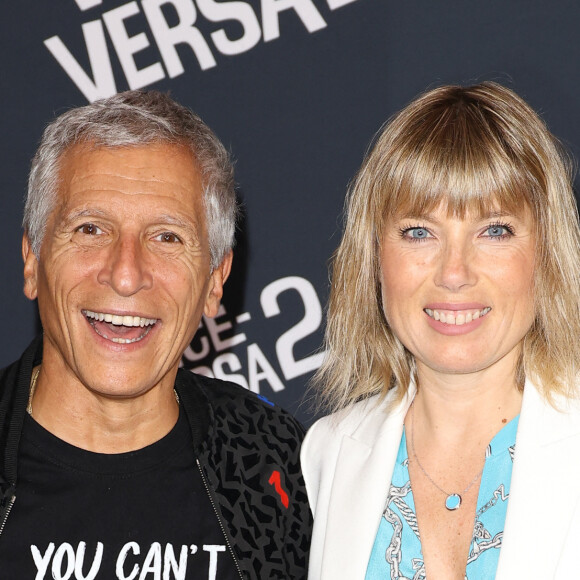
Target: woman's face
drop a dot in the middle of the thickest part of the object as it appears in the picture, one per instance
(458, 293)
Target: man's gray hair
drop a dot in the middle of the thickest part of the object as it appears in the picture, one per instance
(132, 119)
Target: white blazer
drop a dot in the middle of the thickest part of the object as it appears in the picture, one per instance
(348, 461)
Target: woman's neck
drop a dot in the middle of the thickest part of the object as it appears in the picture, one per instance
(468, 408)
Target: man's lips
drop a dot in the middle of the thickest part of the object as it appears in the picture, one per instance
(456, 317)
(121, 329)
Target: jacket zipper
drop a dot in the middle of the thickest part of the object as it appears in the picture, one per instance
(230, 549)
(8, 509)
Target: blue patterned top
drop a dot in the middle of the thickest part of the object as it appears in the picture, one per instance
(397, 549)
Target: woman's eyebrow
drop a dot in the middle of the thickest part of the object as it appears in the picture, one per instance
(416, 216)
(496, 214)
(429, 217)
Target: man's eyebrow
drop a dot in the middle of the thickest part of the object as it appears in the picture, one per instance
(173, 220)
(192, 227)
(86, 212)
(161, 219)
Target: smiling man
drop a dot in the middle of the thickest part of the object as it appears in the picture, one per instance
(113, 462)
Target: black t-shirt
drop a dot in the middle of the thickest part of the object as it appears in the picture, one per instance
(143, 515)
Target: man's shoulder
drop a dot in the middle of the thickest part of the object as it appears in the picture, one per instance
(250, 458)
(218, 388)
(238, 410)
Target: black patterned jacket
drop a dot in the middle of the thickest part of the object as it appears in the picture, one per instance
(247, 451)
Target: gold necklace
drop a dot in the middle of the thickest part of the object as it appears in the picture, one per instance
(34, 378)
(35, 374)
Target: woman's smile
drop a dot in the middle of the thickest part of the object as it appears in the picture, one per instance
(457, 317)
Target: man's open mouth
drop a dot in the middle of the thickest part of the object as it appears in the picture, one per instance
(118, 328)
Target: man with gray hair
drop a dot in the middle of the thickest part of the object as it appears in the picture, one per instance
(115, 463)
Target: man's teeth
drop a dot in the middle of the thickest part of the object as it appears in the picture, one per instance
(457, 317)
(119, 320)
(127, 340)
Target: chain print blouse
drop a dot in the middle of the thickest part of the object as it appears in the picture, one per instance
(397, 553)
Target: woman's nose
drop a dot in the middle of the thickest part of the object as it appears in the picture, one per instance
(455, 268)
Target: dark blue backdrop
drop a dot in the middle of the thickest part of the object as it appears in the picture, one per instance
(296, 89)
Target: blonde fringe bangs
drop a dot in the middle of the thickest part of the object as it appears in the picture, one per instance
(462, 164)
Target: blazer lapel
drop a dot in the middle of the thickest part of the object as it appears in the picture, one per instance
(545, 490)
(359, 491)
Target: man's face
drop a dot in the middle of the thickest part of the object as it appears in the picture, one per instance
(124, 270)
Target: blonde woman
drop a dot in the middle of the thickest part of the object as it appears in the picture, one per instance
(453, 346)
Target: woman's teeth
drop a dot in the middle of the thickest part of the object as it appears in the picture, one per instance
(456, 317)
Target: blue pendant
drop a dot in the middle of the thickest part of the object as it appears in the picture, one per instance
(453, 501)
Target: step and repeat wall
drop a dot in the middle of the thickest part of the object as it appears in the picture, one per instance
(295, 89)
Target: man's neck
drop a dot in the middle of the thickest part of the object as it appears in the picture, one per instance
(103, 424)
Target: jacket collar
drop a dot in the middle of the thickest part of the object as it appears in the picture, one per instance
(189, 387)
(542, 423)
(544, 491)
(14, 391)
(360, 487)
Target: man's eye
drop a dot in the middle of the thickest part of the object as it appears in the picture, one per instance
(90, 230)
(168, 237)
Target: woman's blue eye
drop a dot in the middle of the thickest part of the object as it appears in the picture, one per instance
(418, 233)
(497, 231)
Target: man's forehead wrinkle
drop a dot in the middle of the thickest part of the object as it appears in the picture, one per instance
(82, 165)
(112, 176)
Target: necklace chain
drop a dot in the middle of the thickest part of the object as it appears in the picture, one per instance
(33, 388)
(449, 495)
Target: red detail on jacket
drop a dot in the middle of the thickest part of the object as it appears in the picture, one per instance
(275, 480)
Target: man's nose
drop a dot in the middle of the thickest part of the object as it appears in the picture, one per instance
(126, 268)
(455, 269)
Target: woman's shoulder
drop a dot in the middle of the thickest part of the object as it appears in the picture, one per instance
(363, 419)
(351, 419)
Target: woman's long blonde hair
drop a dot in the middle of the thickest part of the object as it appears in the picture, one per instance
(473, 148)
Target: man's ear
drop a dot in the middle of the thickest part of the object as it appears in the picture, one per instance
(216, 285)
(30, 269)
